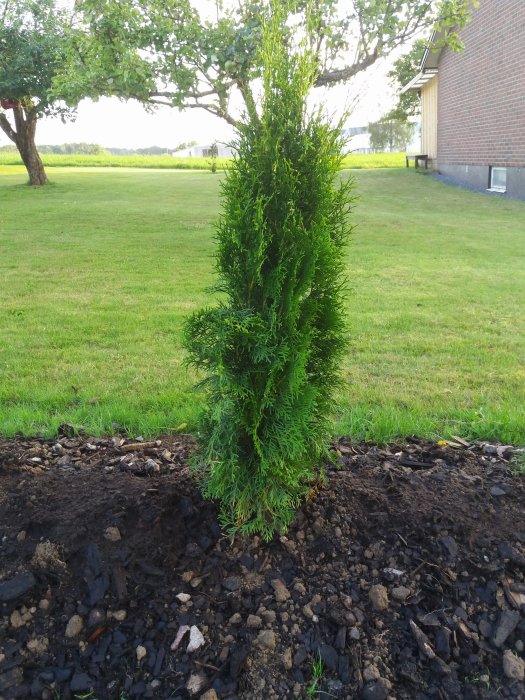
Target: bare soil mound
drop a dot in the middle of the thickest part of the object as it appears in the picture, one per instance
(404, 573)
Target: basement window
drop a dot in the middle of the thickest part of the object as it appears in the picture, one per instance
(498, 179)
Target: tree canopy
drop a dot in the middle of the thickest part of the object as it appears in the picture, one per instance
(33, 38)
(404, 69)
(390, 135)
(167, 52)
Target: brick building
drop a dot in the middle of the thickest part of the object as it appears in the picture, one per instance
(473, 103)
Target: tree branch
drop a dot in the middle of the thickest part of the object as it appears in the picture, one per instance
(336, 76)
(192, 95)
(247, 96)
(216, 111)
(7, 128)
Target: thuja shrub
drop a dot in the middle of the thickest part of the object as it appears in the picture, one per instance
(271, 349)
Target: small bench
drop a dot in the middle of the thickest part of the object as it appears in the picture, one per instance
(420, 158)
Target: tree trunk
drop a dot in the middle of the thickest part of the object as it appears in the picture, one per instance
(33, 163)
(24, 138)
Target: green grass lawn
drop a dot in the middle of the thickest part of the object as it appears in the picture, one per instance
(99, 270)
(355, 160)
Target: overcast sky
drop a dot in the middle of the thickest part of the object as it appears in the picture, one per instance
(110, 122)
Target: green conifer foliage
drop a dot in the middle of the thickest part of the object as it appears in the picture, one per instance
(271, 350)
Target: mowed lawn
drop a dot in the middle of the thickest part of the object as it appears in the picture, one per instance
(99, 270)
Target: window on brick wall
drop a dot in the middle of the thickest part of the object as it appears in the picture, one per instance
(498, 179)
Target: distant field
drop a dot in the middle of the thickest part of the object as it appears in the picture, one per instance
(99, 270)
(358, 160)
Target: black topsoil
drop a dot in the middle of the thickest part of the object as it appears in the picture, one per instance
(404, 574)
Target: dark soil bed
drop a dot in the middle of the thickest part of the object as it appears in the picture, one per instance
(404, 573)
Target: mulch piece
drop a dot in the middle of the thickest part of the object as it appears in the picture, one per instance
(405, 573)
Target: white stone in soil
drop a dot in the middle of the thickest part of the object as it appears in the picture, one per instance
(112, 534)
(196, 639)
(74, 626)
(119, 615)
(513, 666)
(38, 646)
(196, 683)
(378, 597)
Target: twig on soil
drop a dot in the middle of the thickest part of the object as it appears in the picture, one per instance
(136, 446)
(422, 640)
(210, 666)
(402, 539)
(418, 568)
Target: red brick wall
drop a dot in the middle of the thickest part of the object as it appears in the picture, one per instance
(481, 104)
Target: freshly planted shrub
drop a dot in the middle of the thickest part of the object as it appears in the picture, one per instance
(270, 350)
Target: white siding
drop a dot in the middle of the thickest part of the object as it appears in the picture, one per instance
(429, 114)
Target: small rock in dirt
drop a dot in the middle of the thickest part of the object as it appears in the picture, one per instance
(287, 659)
(58, 450)
(371, 673)
(235, 619)
(507, 623)
(118, 615)
(329, 656)
(16, 586)
(254, 622)
(96, 617)
(442, 639)
(38, 646)
(391, 574)
(281, 592)
(378, 597)
(209, 695)
(450, 546)
(507, 551)
(47, 557)
(16, 620)
(141, 652)
(183, 597)
(268, 616)
(266, 640)
(182, 632)
(96, 578)
(21, 536)
(513, 666)
(340, 639)
(422, 640)
(497, 491)
(74, 627)
(505, 451)
(232, 583)
(485, 628)
(152, 466)
(400, 593)
(299, 587)
(196, 639)
(112, 534)
(196, 683)
(80, 682)
(378, 690)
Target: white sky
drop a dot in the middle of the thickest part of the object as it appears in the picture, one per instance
(114, 123)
